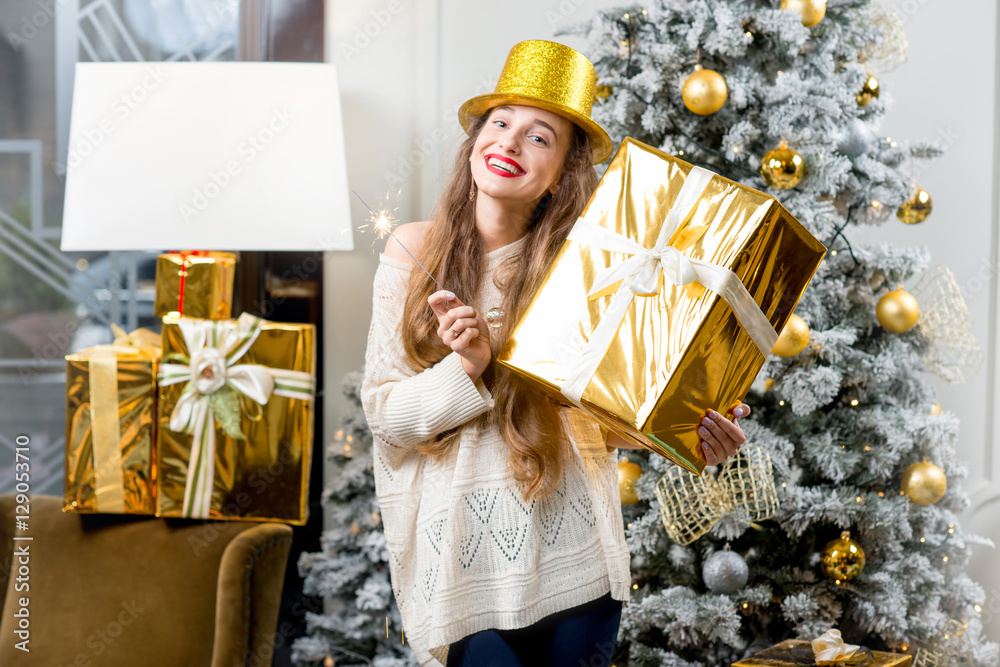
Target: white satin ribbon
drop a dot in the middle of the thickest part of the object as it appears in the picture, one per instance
(831, 647)
(639, 275)
(217, 345)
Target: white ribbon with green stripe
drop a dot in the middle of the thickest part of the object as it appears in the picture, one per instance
(214, 382)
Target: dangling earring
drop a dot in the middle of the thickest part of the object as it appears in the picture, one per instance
(472, 191)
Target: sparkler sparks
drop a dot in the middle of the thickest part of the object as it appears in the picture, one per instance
(382, 223)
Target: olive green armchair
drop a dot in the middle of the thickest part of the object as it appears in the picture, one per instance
(121, 590)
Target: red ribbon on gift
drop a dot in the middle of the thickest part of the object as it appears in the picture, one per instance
(183, 274)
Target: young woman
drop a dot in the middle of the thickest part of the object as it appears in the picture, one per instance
(500, 507)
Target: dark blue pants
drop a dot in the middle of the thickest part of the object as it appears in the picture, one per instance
(583, 636)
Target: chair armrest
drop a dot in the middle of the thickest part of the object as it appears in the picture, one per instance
(251, 576)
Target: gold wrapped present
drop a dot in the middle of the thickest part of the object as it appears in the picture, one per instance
(235, 419)
(195, 284)
(801, 654)
(111, 426)
(664, 301)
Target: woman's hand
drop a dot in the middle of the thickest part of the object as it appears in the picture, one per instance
(463, 330)
(720, 438)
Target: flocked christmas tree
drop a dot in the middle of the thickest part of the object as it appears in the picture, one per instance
(363, 626)
(843, 417)
(785, 100)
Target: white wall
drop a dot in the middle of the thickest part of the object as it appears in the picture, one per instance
(949, 90)
(402, 87)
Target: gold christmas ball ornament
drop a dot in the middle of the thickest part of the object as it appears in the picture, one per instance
(897, 311)
(842, 559)
(793, 338)
(782, 168)
(812, 11)
(705, 91)
(935, 410)
(916, 208)
(628, 473)
(924, 483)
(869, 91)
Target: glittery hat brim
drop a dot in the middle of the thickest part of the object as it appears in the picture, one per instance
(600, 141)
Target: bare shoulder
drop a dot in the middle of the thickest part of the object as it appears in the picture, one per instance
(410, 235)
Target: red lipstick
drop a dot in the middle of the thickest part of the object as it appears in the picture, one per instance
(507, 162)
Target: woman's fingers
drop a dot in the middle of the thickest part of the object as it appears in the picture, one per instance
(463, 342)
(457, 327)
(711, 450)
(741, 410)
(442, 301)
(724, 435)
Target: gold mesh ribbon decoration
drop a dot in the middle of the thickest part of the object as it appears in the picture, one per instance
(951, 646)
(690, 505)
(953, 354)
(893, 49)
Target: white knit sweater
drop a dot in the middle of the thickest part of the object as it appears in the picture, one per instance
(466, 552)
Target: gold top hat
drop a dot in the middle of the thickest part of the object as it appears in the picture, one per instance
(548, 76)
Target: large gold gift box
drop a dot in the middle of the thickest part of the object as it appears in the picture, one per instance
(235, 419)
(111, 426)
(797, 652)
(194, 284)
(671, 352)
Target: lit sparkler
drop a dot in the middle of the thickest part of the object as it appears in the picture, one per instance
(382, 222)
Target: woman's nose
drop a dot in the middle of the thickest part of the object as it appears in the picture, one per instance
(511, 145)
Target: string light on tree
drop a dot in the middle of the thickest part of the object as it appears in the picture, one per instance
(915, 209)
(897, 311)
(705, 91)
(782, 168)
(812, 11)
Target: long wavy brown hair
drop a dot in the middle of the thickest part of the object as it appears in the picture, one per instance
(452, 250)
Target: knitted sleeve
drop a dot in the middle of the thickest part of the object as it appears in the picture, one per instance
(405, 406)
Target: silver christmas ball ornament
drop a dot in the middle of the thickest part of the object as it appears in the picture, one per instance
(855, 139)
(725, 572)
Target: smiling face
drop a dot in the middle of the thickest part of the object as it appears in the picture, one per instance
(519, 154)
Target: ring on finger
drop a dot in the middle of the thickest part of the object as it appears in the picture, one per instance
(454, 333)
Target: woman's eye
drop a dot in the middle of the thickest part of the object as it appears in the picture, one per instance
(539, 140)
(500, 123)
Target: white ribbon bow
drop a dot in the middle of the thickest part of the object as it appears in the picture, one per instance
(639, 275)
(831, 648)
(214, 347)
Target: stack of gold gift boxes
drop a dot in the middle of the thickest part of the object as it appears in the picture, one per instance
(213, 419)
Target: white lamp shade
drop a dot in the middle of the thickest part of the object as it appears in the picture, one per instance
(206, 156)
